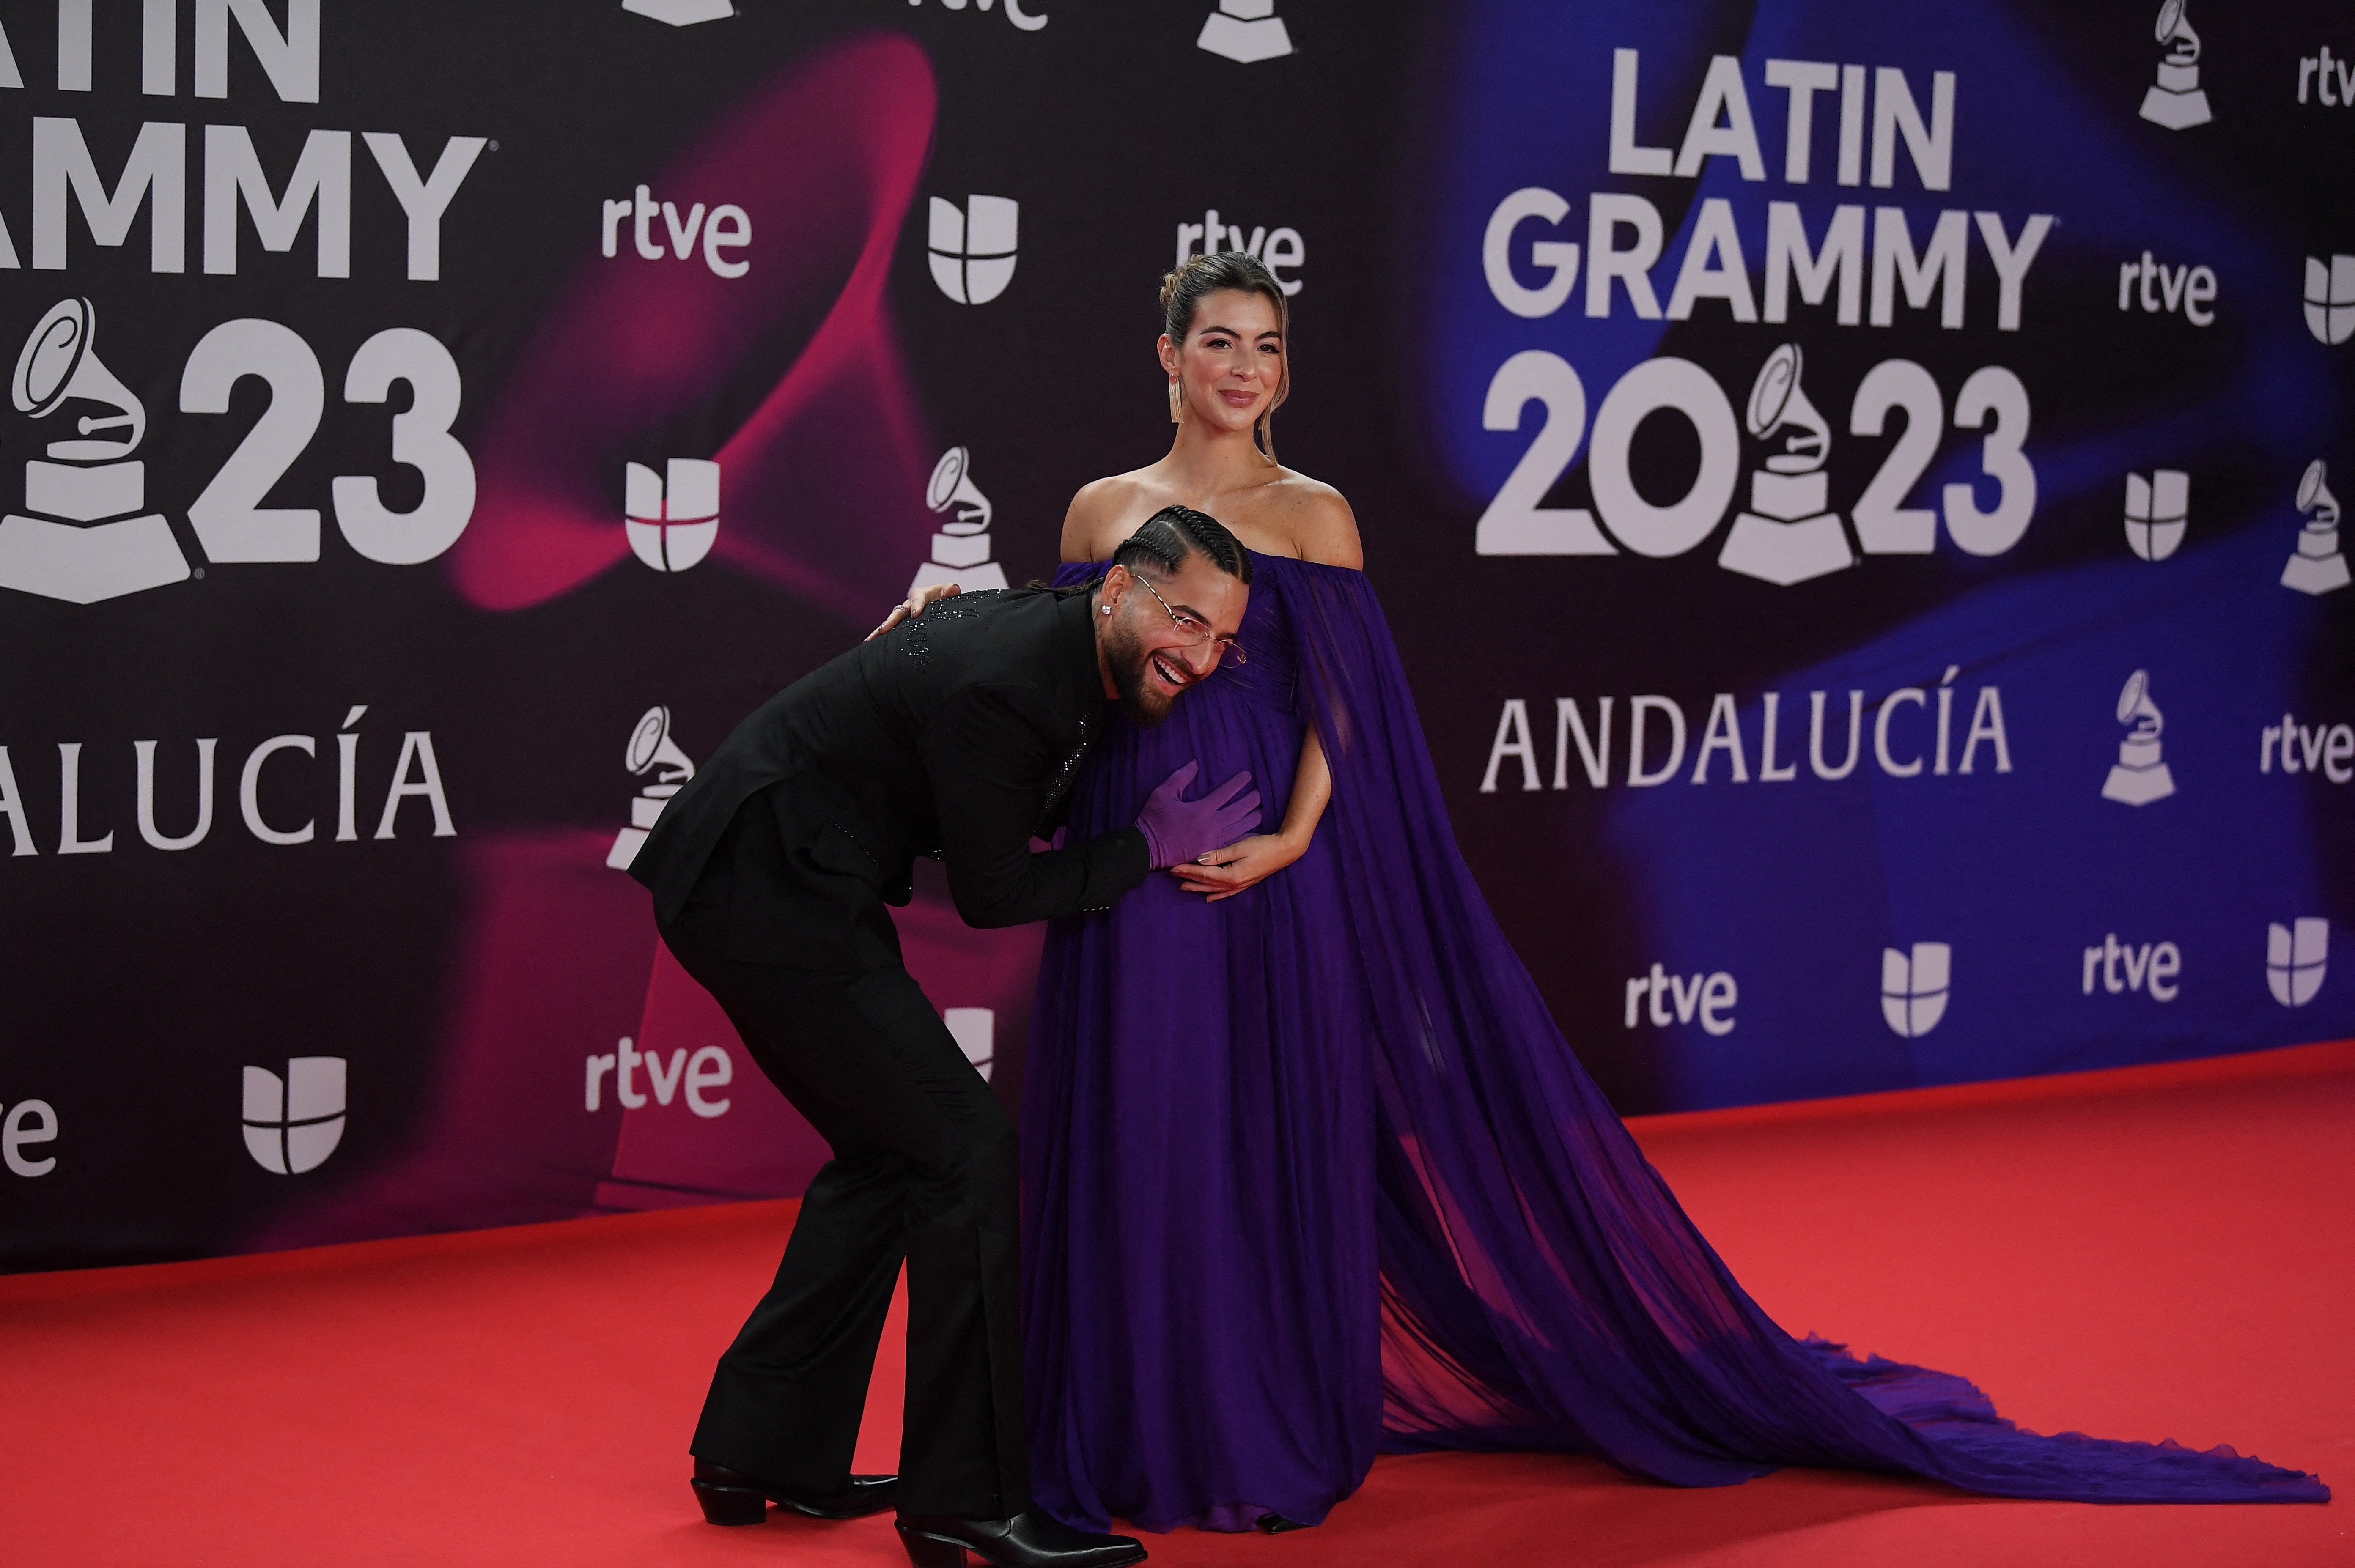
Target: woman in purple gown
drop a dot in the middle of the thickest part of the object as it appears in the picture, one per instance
(1332, 1182)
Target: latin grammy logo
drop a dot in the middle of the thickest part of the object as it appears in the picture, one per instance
(960, 550)
(2297, 959)
(674, 517)
(2157, 512)
(1787, 535)
(650, 747)
(1914, 988)
(292, 1123)
(2139, 776)
(2177, 101)
(1247, 31)
(2330, 299)
(972, 248)
(2315, 567)
(83, 541)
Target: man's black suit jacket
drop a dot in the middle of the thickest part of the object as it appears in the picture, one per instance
(955, 734)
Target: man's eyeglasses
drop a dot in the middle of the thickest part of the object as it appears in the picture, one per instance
(1195, 632)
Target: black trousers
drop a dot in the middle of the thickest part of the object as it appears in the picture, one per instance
(925, 1169)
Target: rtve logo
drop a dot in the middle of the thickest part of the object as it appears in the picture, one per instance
(1707, 997)
(2323, 72)
(36, 1122)
(971, 247)
(2161, 290)
(2324, 749)
(726, 227)
(1914, 988)
(2122, 967)
(708, 1068)
(1279, 249)
(2297, 959)
(292, 1123)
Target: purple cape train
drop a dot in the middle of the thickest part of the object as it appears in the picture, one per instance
(1311, 1173)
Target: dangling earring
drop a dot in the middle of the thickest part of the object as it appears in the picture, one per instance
(1176, 403)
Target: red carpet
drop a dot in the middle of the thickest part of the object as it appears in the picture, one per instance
(2151, 1253)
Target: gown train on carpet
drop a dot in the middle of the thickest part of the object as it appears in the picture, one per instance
(1312, 1172)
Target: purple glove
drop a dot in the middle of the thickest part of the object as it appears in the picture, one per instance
(1178, 830)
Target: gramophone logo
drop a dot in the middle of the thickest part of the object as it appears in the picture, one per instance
(972, 247)
(2316, 566)
(2330, 299)
(1245, 30)
(2158, 511)
(680, 13)
(86, 539)
(1788, 535)
(292, 1123)
(1914, 988)
(2140, 776)
(2297, 959)
(2177, 101)
(674, 517)
(960, 550)
(650, 747)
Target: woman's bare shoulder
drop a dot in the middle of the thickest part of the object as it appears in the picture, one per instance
(1318, 523)
(1092, 527)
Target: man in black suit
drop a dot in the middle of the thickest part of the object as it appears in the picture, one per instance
(954, 734)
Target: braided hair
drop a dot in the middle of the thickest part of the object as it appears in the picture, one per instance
(1196, 280)
(1173, 533)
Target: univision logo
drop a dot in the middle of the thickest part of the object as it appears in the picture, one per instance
(2297, 959)
(972, 248)
(292, 1123)
(672, 518)
(2330, 298)
(1913, 987)
(2157, 512)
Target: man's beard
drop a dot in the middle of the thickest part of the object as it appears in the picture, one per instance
(1126, 656)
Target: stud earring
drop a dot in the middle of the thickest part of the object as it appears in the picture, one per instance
(1176, 403)
(1107, 609)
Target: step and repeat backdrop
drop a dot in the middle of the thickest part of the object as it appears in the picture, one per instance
(1854, 486)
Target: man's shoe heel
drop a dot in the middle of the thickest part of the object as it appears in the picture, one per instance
(931, 1551)
(730, 1505)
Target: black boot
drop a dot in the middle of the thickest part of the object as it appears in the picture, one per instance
(730, 1496)
(1028, 1539)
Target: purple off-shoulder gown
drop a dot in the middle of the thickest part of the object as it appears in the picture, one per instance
(1311, 1172)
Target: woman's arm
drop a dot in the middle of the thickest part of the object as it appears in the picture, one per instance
(1322, 530)
(1224, 873)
